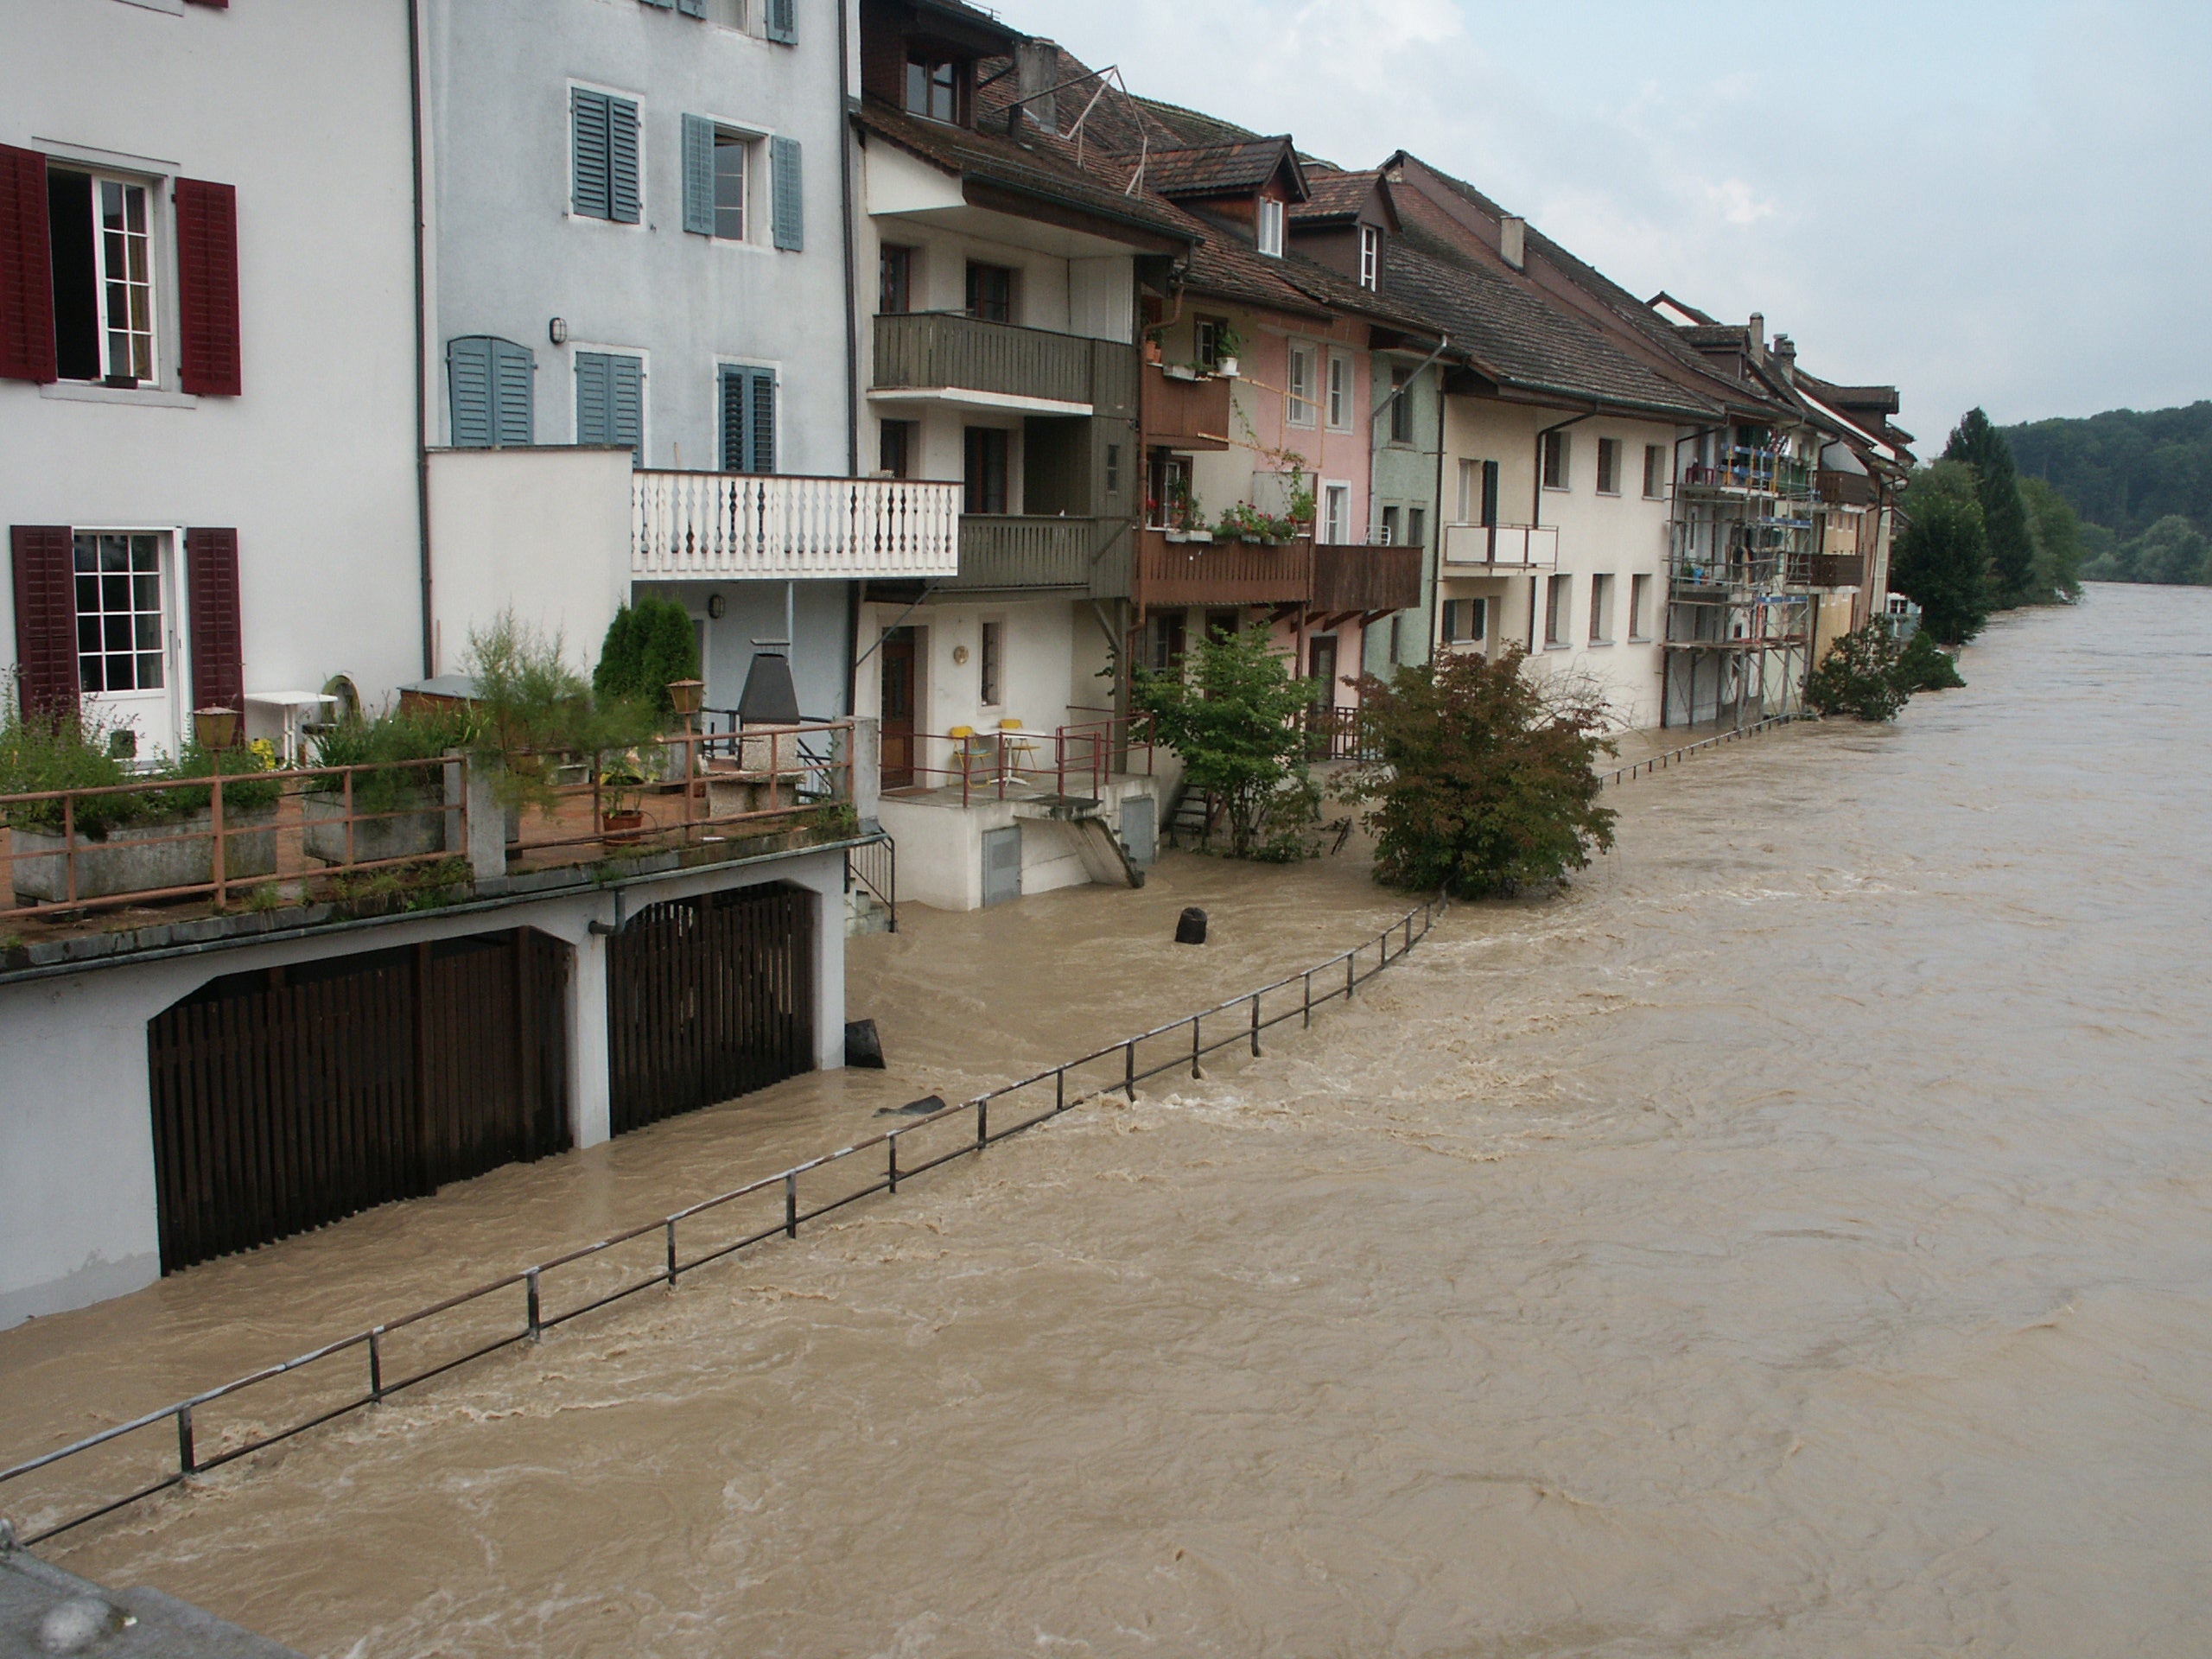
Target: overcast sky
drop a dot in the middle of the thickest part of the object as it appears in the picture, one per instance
(2003, 203)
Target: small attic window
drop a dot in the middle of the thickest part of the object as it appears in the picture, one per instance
(934, 85)
(1269, 227)
(1370, 257)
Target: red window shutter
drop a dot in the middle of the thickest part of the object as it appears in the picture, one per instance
(25, 269)
(207, 288)
(46, 616)
(211, 558)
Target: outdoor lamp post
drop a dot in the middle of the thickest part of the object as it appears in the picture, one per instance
(215, 728)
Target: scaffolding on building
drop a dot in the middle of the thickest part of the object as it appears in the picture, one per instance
(1740, 565)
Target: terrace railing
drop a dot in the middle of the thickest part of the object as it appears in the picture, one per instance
(742, 526)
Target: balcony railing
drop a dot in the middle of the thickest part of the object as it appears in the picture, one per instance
(935, 350)
(1516, 547)
(739, 526)
(1222, 573)
(1189, 415)
(1008, 551)
(1366, 578)
(1827, 570)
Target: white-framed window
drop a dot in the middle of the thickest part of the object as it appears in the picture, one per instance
(1654, 471)
(122, 618)
(1370, 257)
(1300, 408)
(990, 665)
(1639, 608)
(1470, 491)
(100, 230)
(1206, 335)
(1609, 466)
(1558, 602)
(1601, 610)
(126, 277)
(1336, 513)
(1391, 529)
(1558, 460)
(730, 14)
(734, 153)
(1268, 228)
(1466, 621)
(1340, 392)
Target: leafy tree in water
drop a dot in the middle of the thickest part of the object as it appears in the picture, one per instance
(1942, 561)
(1234, 718)
(2057, 532)
(649, 645)
(2004, 517)
(1860, 677)
(1487, 781)
(1922, 667)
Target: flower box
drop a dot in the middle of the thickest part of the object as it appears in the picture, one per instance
(417, 831)
(146, 857)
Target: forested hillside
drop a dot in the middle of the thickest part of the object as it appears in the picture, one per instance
(2144, 477)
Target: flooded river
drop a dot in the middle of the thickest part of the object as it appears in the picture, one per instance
(1796, 1239)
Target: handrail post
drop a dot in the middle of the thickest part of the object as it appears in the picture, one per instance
(537, 1328)
(1308, 1026)
(791, 1204)
(1060, 1090)
(983, 1124)
(187, 1462)
(1195, 1073)
(1351, 963)
(215, 828)
(672, 1249)
(349, 818)
(375, 1364)
(69, 845)
(891, 1143)
(1255, 1024)
(1129, 1068)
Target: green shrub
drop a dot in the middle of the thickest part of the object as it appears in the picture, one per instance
(649, 645)
(1234, 720)
(1487, 781)
(1924, 666)
(374, 745)
(45, 750)
(1858, 677)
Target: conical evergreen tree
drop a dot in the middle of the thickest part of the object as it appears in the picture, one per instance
(1942, 561)
(2003, 517)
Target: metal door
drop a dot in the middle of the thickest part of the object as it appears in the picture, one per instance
(1140, 829)
(1001, 866)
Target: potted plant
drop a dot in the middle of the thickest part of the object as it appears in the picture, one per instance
(623, 818)
(1152, 346)
(399, 810)
(1182, 508)
(1228, 348)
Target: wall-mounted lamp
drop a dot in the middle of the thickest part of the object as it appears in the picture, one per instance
(717, 606)
(557, 331)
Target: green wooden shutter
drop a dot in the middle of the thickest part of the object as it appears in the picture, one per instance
(588, 120)
(468, 385)
(622, 160)
(735, 403)
(513, 372)
(626, 404)
(791, 216)
(698, 175)
(763, 421)
(594, 423)
(782, 20)
(749, 420)
(692, 8)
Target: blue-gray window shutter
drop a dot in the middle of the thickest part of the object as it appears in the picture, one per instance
(733, 408)
(698, 175)
(468, 379)
(627, 404)
(622, 160)
(513, 370)
(594, 423)
(791, 211)
(692, 8)
(782, 20)
(662, 5)
(589, 121)
(763, 423)
(749, 420)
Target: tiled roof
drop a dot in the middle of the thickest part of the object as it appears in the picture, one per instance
(1331, 194)
(1217, 170)
(1040, 165)
(1524, 341)
(1193, 128)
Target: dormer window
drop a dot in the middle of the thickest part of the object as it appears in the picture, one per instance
(1370, 257)
(1270, 227)
(934, 85)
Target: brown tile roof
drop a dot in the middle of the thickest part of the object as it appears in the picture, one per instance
(1333, 194)
(1040, 165)
(1219, 169)
(1193, 128)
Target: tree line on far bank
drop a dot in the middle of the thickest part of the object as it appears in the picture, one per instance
(2141, 481)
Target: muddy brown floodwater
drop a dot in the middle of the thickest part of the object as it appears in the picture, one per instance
(1794, 1240)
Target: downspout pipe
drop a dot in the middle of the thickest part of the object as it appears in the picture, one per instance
(852, 334)
(421, 338)
(1536, 503)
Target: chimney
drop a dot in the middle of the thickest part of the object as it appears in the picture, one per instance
(1513, 238)
(1785, 352)
(1757, 333)
(1037, 69)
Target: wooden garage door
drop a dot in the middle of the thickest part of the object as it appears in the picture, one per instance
(708, 999)
(288, 1098)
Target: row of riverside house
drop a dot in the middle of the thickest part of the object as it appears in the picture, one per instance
(916, 361)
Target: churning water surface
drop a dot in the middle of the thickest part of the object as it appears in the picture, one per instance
(1793, 1239)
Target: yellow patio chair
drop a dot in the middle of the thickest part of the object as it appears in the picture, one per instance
(1017, 744)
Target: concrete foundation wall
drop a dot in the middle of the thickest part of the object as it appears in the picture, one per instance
(941, 848)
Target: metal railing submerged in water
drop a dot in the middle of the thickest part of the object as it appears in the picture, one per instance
(398, 1354)
(1661, 762)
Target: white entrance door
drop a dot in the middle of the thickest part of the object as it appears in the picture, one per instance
(126, 655)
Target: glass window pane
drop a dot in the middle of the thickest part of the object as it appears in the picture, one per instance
(89, 675)
(134, 202)
(143, 553)
(88, 593)
(115, 632)
(149, 670)
(88, 629)
(148, 630)
(119, 676)
(88, 553)
(146, 593)
(115, 592)
(110, 204)
(115, 553)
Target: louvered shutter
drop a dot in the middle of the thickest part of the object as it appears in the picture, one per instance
(468, 385)
(513, 372)
(626, 404)
(211, 558)
(692, 8)
(622, 160)
(790, 217)
(1489, 492)
(25, 269)
(46, 617)
(593, 424)
(662, 5)
(761, 423)
(207, 289)
(588, 120)
(698, 175)
(736, 404)
(782, 20)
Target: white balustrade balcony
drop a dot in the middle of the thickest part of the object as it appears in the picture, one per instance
(1504, 547)
(756, 527)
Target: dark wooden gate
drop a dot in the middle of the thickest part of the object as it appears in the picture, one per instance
(291, 1097)
(708, 999)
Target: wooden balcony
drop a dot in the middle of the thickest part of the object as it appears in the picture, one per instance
(1004, 551)
(738, 527)
(1222, 572)
(937, 353)
(1369, 579)
(1186, 415)
(1827, 570)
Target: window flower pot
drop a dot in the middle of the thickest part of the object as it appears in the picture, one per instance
(1227, 368)
(147, 857)
(1179, 535)
(1179, 372)
(1202, 536)
(418, 831)
(622, 826)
